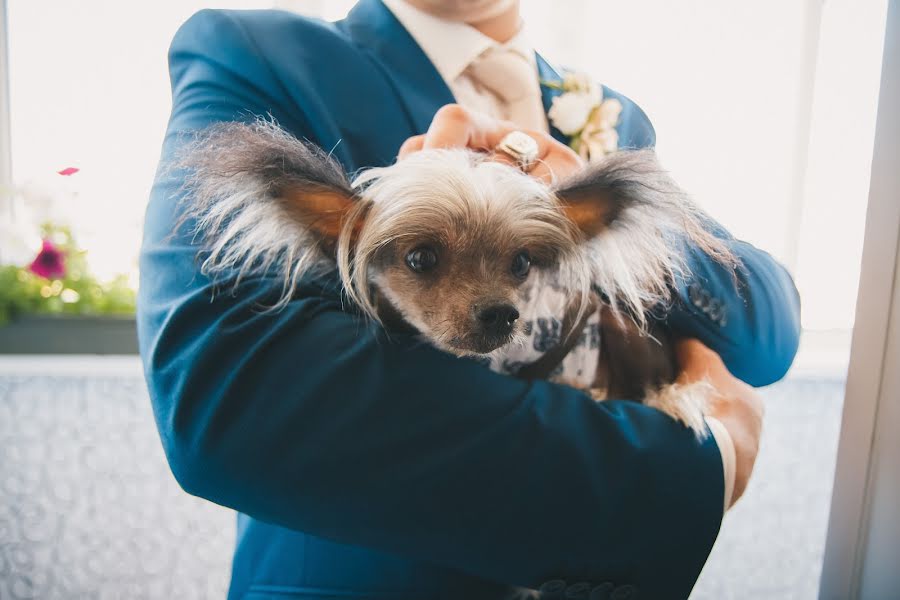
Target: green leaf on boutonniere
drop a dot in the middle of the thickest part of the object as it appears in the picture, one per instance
(553, 85)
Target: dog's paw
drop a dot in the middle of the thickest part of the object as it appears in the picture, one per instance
(685, 403)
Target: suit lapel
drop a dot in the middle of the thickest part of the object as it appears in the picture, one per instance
(417, 83)
(548, 74)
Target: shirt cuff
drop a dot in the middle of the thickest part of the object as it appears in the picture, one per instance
(726, 448)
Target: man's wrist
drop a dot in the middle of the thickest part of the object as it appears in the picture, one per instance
(729, 460)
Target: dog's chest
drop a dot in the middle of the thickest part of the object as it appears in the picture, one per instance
(542, 312)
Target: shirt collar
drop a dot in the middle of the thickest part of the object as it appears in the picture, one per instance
(452, 46)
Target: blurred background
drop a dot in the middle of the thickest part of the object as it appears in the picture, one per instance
(765, 111)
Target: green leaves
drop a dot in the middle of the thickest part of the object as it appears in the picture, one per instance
(78, 292)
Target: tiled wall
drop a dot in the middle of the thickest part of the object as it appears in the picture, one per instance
(88, 507)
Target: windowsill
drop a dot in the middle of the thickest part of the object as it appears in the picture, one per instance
(71, 365)
(822, 355)
(65, 334)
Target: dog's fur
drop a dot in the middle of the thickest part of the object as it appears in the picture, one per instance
(262, 200)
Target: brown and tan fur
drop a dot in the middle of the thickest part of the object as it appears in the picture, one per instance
(264, 201)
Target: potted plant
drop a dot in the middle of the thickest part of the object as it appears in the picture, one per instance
(51, 303)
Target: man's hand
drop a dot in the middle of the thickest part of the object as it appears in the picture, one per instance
(455, 126)
(736, 405)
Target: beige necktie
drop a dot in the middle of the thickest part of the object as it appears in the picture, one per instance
(514, 81)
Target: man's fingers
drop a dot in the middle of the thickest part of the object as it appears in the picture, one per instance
(560, 162)
(696, 360)
(735, 405)
(690, 348)
(455, 126)
(413, 144)
(496, 134)
(554, 160)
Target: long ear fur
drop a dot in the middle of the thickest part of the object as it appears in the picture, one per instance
(636, 221)
(260, 198)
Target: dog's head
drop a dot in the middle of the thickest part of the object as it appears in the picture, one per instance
(448, 239)
(444, 238)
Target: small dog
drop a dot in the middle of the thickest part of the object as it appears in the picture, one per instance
(467, 252)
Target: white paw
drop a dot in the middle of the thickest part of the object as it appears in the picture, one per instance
(685, 403)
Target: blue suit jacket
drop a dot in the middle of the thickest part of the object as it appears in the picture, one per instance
(376, 468)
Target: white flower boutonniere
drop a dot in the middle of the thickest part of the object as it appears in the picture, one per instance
(581, 113)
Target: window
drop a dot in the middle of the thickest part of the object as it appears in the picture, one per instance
(89, 89)
(91, 92)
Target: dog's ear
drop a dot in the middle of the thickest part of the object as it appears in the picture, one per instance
(597, 197)
(324, 212)
(246, 166)
(258, 197)
(592, 209)
(635, 222)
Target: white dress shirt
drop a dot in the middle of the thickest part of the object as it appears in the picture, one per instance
(452, 47)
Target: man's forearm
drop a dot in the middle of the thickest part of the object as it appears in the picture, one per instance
(750, 317)
(726, 448)
(308, 420)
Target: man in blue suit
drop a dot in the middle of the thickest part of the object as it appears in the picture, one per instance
(367, 467)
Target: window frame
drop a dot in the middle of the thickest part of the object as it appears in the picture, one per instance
(861, 545)
(5, 134)
(52, 334)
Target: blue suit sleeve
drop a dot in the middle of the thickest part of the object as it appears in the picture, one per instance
(751, 319)
(313, 420)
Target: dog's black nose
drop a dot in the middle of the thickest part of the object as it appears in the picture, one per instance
(498, 319)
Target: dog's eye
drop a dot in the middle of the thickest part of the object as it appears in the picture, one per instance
(521, 264)
(421, 259)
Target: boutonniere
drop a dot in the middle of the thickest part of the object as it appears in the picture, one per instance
(582, 114)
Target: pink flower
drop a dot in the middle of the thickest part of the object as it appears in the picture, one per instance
(50, 262)
(69, 171)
